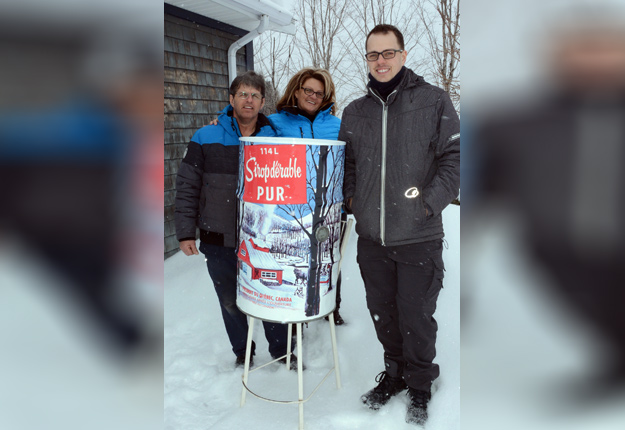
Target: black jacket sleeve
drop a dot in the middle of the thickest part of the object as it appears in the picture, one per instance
(349, 181)
(445, 184)
(188, 189)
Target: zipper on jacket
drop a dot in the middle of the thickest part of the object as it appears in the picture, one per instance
(383, 167)
(235, 128)
(312, 131)
(383, 175)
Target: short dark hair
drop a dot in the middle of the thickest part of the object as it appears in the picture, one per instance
(251, 79)
(385, 29)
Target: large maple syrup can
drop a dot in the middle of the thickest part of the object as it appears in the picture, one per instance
(290, 194)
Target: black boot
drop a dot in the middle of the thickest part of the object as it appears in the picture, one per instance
(240, 361)
(417, 412)
(338, 320)
(292, 364)
(387, 387)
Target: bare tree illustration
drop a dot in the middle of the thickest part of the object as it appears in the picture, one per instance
(322, 185)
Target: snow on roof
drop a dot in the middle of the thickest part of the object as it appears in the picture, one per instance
(261, 243)
(244, 14)
(260, 259)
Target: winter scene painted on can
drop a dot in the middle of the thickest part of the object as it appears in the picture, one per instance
(290, 195)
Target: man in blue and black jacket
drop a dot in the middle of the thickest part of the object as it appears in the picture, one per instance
(206, 199)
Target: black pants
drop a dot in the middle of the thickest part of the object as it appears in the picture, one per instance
(402, 284)
(338, 282)
(593, 289)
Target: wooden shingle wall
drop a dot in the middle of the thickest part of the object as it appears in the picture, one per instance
(196, 89)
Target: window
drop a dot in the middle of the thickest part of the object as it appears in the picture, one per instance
(271, 275)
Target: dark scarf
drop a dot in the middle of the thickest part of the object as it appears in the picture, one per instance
(297, 111)
(383, 89)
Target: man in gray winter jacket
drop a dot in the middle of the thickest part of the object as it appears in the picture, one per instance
(402, 169)
(206, 199)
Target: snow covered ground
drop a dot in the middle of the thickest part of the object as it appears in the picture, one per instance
(58, 369)
(203, 390)
(528, 359)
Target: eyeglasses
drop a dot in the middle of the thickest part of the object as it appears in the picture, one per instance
(244, 95)
(387, 54)
(310, 92)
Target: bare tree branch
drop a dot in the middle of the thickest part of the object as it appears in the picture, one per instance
(331, 35)
(441, 22)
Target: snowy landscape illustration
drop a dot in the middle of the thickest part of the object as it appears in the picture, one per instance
(289, 229)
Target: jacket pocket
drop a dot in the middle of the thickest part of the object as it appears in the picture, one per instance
(420, 209)
(417, 215)
(439, 263)
(437, 278)
(219, 203)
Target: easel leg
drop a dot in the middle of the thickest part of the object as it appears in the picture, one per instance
(248, 355)
(335, 352)
(289, 337)
(300, 376)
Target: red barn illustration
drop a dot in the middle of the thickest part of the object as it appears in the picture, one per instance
(260, 261)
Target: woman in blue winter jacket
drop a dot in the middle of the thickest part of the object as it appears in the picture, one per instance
(307, 110)
(307, 107)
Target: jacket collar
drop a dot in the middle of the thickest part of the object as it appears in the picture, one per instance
(292, 110)
(231, 126)
(409, 80)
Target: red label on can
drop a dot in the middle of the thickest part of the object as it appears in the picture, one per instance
(275, 174)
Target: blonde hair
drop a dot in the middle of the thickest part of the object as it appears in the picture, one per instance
(296, 82)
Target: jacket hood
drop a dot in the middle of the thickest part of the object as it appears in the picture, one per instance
(228, 122)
